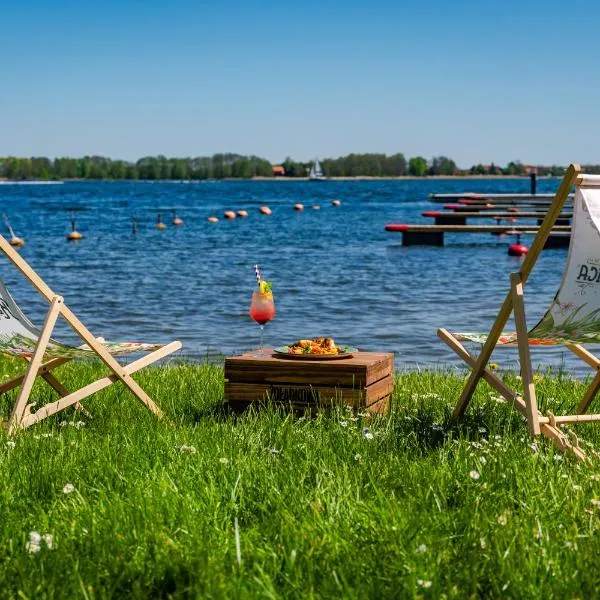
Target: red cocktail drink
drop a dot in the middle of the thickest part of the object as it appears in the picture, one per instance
(262, 310)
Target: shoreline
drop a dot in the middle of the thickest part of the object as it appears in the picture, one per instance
(4, 181)
(397, 178)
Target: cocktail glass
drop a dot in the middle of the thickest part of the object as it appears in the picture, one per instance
(262, 310)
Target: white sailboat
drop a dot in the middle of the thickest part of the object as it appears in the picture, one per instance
(316, 173)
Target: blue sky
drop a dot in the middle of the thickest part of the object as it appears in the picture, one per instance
(478, 81)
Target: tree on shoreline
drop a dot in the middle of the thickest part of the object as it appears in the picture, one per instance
(231, 165)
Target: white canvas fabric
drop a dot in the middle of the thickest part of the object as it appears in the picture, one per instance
(19, 336)
(574, 315)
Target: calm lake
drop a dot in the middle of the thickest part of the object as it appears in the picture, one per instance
(335, 271)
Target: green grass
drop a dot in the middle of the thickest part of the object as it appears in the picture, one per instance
(322, 510)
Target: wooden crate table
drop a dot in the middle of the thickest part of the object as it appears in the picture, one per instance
(363, 381)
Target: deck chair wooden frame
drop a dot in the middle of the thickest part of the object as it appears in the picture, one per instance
(526, 403)
(22, 416)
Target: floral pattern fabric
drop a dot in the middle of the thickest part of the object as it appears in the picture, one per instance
(24, 346)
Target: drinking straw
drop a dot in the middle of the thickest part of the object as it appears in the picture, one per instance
(257, 274)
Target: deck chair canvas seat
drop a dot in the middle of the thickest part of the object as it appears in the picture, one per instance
(20, 337)
(572, 320)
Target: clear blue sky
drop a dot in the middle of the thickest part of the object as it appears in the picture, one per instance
(473, 80)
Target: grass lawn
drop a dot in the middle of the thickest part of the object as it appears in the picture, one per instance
(269, 505)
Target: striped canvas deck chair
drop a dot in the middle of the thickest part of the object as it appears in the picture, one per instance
(19, 337)
(572, 320)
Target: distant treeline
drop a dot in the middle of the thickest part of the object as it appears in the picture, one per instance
(221, 166)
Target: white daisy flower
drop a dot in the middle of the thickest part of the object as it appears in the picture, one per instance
(185, 448)
(68, 488)
(35, 537)
(32, 548)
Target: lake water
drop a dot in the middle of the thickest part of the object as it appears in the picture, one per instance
(335, 271)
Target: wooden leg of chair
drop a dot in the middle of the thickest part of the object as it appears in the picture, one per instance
(487, 375)
(11, 384)
(96, 386)
(589, 395)
(109, 360)
(484, 356)
(524, 356)
(557, 437)
(17, 381)
(584, 354)
(34, 364)
(62, 391)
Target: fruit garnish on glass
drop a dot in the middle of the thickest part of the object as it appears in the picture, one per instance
(262, 306)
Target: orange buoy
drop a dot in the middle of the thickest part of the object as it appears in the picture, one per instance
(74, 235)
(177, 221)
(159, 223)
(316, 207)
(336, 202)
(213, 219)
(229, 214)
(242, 213)
(14, 241)
(265, 210)
(298, 206)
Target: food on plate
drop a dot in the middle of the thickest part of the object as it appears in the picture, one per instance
(318, 345)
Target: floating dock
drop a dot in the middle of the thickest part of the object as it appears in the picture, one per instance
(506, 198)
(541, 208)
(460, 218)
(433, 235)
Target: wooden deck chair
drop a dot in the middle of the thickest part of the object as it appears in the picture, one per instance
(19, 337)
(572, 320)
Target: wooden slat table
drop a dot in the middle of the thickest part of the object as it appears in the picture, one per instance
(364, 381)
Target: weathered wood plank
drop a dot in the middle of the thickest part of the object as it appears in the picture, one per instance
(361, 370)
(299, 395)
(533, 229)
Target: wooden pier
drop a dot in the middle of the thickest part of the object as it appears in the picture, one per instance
(516, 208)
(460, 218)
(433, 235)
(506, 198)
(508, 207)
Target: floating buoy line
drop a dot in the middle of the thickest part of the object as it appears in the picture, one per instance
(177, 221)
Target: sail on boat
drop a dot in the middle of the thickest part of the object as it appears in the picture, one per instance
(316, 173)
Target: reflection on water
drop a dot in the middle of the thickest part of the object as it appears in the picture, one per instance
(335, 271)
